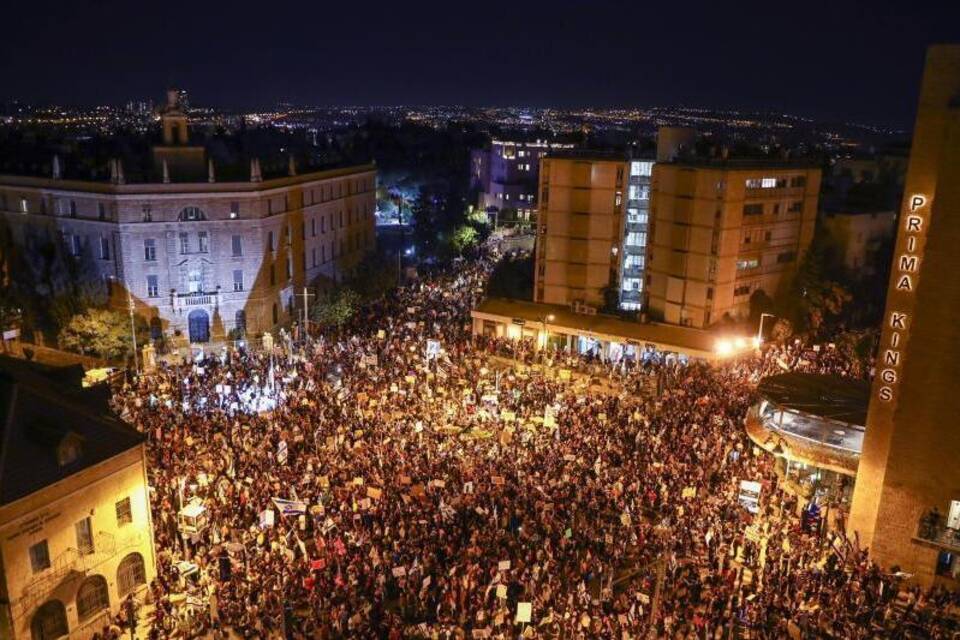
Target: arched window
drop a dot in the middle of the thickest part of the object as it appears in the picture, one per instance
(49, 622)
(276, 314)
(130, 573)
(188, 214)
(92, 597)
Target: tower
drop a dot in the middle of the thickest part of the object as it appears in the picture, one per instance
(909, 461)
(174, 120)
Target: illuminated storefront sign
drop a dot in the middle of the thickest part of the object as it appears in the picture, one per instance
(906, 271)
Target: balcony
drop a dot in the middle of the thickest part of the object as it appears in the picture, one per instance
(937, 533)
(197, 298)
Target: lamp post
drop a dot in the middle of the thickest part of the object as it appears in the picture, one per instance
(133, 330)
(760, 328)
(543, 321)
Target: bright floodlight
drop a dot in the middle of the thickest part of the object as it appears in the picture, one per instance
(740, 343)
(724, 347)
(551, 318)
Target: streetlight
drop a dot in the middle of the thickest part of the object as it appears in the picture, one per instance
(133, 330)
(543, 321)
(760, 328)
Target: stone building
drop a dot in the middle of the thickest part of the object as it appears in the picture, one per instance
(909, 463)
(197, 255)
(76, 537)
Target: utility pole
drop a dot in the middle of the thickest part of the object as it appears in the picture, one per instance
(306, 318)
(133, 330)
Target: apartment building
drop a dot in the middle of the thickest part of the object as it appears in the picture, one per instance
(581, 228)
(722, 229)
(506, 175)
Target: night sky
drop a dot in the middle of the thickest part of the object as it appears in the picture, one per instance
(832, 60)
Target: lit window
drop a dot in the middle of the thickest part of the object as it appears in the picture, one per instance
(749, 263)
(192, 213)
(238, 280)
(203, 242)
(24, 206)
(641, 168)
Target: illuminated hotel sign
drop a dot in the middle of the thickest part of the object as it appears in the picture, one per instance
(906, 270)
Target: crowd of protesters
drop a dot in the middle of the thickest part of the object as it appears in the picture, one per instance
(397, 490)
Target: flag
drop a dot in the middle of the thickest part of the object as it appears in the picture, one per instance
(290, 507)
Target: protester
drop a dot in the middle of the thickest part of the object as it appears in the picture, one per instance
(355, 486)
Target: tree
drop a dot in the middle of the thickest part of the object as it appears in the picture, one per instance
(464, 238)
(335, 308)
(815, 297)
(102, 332)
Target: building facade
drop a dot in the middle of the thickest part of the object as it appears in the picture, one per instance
(580, 228)
(723, 229)
(197, 256)
(860, 235)
(202, 258)
(506, 175)
(76, 537)
(909, 462)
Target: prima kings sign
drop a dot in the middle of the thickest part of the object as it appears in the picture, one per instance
(906, 271)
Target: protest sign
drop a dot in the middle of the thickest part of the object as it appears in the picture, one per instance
(524, 611)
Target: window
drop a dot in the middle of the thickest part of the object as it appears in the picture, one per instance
(641, 168)
(289, 267)
(236, 243)
(754, 209)
(323, 254)
(39, 556)
(273, 276)
(709, 293)
(92, 597)
(288, 235)
(130, 573)
(101, 211)
(190, 214)
(313, 257)
(73, 209)
(153, 288)
(234, 210)
(75, 245)
(323, 225)
(104, 248)
(124, 513)
(269, 240)
(150, 250)
(24, 206)
(184, 243)
(747, 263)
(798, 181)
(742, 290)
(147, 213)
(796, 206)
(313, 227)
(238, 280)
(636, 239)
(761, 183)
(203, 242)
(84, 531)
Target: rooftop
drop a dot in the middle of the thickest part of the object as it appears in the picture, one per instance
(51, 428)
(825, 396)
(694, 342)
